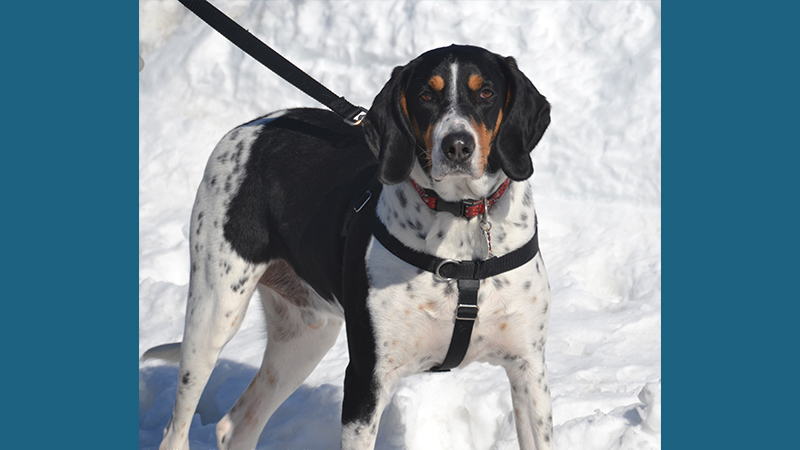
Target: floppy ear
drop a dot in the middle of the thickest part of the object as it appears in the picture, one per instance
(525, 118)
(388, 131)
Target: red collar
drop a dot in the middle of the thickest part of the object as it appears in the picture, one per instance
(464, 208)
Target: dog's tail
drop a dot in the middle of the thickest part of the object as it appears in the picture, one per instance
(166, 352)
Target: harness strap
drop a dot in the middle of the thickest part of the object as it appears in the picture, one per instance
(362, 219)
(468, 275)
(452, 269)
(353, 115)
(466, 314)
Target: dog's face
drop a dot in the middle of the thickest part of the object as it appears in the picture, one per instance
(458, 111)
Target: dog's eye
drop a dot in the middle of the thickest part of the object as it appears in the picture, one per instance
(425, 96)
(487, 93)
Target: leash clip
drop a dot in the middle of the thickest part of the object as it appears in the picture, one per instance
(356, 119)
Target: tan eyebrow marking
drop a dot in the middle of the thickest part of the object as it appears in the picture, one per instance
(436, 82)
(475, 82)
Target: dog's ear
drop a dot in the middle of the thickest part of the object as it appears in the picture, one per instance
(526, 116)
(389, 133)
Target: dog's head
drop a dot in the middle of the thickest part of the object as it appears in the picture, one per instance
(459, 111)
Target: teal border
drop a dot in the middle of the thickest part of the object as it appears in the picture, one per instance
(69, 183)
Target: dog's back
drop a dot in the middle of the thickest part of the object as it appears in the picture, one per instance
(283, 206)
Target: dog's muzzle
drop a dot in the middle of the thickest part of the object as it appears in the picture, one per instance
(454, 149)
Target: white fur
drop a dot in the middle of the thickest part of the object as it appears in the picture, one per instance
(453, 82)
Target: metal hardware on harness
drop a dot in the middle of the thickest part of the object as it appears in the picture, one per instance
(466, 312)
(361, 203)
(261, 52)
(356, 120)
(439, 267)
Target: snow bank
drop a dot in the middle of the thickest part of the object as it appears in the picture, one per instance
(598, 196)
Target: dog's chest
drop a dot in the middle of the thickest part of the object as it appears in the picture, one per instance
(413, 310)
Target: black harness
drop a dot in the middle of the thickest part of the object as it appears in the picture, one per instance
(466, 273)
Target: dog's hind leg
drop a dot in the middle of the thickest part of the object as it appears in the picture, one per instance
(219, 292)
(220, 286)
(301, 328)
(222, 280)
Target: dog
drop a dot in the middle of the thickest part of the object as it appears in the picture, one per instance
(325, 220)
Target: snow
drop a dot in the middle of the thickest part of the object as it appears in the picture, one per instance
(598, 195)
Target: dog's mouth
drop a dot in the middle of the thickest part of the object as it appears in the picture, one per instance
(442, 171)
(448, 160)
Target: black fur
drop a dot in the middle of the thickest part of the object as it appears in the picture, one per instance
(525, 120)
(388, 131)
(305, 232)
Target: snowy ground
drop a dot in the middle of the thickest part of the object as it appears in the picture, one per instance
(598, 197)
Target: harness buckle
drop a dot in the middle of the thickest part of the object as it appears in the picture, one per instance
(466, 312)
(361, 203)
(439, 267)
(356, 119)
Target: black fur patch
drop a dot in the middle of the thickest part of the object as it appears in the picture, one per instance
(303, 170)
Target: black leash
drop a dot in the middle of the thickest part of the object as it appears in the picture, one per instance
(353, 115)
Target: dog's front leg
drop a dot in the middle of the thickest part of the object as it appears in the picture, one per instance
(367, 384)
(530, 397)
(366, 394)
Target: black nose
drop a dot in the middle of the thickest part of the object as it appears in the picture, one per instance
(458, 147)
